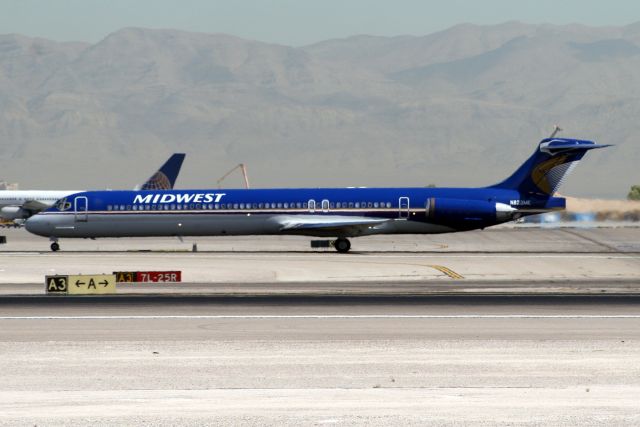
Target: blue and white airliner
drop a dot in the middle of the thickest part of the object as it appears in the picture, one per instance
(337, 213)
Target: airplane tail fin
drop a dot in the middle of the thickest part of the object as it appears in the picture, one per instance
(543, 173)
(165, 177)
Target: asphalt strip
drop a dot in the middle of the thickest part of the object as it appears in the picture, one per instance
(331, 316)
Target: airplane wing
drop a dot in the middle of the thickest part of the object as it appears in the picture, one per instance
(338, 224)
(35, 206)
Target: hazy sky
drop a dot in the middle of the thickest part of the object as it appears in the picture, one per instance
(295, 22)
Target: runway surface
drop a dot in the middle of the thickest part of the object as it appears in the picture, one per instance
(439, 360)
(542, 328)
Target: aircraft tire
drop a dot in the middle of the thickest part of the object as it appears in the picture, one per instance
(342, 245)
(55, 247)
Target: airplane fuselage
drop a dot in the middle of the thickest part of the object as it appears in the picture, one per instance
(262, 212)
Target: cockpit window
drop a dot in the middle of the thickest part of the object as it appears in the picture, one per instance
(63, 205)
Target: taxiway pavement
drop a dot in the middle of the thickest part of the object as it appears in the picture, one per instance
(503, 254)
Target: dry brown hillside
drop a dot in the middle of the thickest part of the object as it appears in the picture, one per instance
(461, 107)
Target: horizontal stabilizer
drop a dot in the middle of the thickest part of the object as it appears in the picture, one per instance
(555, 146)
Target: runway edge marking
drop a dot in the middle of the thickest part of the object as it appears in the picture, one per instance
(335, 316)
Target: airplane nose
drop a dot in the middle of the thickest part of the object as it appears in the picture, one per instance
(38, 224)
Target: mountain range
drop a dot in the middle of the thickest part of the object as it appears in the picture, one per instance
(461, 107)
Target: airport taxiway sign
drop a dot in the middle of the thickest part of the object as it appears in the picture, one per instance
(91, 284)
(56, 284)
(126, 276)
(148, 276)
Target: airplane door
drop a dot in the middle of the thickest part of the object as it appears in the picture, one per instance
(312, 206)
(403, 207)
(325, 205)
(81, 208)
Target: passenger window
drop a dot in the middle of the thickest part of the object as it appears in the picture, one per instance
(376, 204)
(109, 207)
(279, 205)
(286, 205)
(388, 204)
(331, 205)
(357, 205)
(235, 206)
(351, 204)
(223, 206)
(304, 205)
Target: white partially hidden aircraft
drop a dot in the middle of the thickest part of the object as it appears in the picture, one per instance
(18, 205)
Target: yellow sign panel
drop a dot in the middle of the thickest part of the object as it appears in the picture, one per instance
(92, 284)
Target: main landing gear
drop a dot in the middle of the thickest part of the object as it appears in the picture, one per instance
(342, 245)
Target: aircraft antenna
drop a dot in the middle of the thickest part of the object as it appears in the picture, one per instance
(556, 129)
(240, 166)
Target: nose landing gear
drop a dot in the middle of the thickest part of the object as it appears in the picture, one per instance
(342, 245)
(55, 247)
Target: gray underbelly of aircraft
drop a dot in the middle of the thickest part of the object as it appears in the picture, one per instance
(114, 225)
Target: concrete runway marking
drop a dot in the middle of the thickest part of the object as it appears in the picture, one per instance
(449, 272)
(323, 256)
(334, 316)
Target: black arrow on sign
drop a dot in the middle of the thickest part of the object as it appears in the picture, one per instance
(105, 283)
(78, 283)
